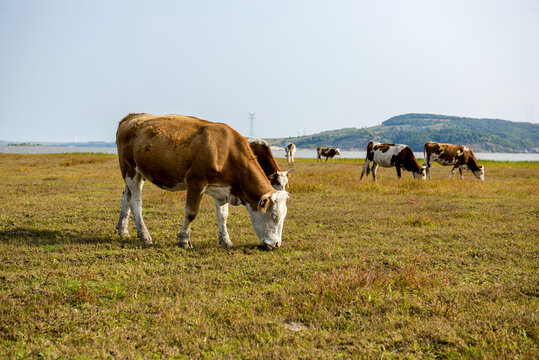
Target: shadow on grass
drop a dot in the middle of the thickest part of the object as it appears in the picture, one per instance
(39, 237)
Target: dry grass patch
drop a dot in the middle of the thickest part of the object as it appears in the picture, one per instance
(398, 268)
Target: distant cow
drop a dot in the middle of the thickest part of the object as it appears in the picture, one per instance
(177, 152)
(326, 152)
(262, 151)
(389, 155)
(289, 151)
(459, 156)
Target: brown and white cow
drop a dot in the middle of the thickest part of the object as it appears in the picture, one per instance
(461, 157)
(177, 152)
(327, 153)
(289, 151)
(389, 155)
(262, 151)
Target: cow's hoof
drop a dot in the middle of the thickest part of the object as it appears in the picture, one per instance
(224, 241)
(266, 247)
(184, 241)
(226, 245)
(122, 233)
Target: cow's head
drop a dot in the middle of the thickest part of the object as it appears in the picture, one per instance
(480, 173)
(279, 179)
(337, 152)
(268, 219)
(422, 174)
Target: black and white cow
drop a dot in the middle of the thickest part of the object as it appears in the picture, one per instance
(388, 155)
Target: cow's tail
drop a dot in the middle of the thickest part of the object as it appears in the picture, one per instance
(369, 147)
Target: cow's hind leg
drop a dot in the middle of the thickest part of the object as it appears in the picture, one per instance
(135, 185)
(461, 175)
(222, 215)
(374, 167)
(124, 213)
(192, 204)
(366, 169)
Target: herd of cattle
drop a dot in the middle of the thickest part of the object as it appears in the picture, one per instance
(177, 152)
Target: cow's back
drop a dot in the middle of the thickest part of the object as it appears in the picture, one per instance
(166, 149)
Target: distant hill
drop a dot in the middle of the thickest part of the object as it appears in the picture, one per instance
(482, 135)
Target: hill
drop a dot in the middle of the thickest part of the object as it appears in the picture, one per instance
(482, 135)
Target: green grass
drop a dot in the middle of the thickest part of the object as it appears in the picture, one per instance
(397, 268)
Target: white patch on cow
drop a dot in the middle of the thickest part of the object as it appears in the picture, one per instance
(135, 185)
(384, 158)
(256, 141)
(268, 226)
(282, 180)
(219, 193)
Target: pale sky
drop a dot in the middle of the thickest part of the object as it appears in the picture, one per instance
(70, 70)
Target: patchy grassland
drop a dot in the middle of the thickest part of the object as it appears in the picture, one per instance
(443, 268)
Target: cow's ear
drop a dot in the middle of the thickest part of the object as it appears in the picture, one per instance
(272, 177)
(264, 203)
(288, 173)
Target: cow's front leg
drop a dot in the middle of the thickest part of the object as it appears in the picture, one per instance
(135, 185)
(124, 213)
(453, 171)
(222, 215)
(192, 203)
(398, 170)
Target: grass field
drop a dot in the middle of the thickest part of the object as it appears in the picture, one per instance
(398, 268)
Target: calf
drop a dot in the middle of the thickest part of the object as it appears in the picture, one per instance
(459, 156)
(289, 151)
(264, 156)
(326, 152)
(388, 155)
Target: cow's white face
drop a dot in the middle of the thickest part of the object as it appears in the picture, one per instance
(279, 180)
(337, 152)
(268, 220)
(422, 174)
(480, 174)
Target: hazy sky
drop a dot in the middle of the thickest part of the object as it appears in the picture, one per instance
(70, 70)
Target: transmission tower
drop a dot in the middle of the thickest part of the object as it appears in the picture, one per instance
(251, 118)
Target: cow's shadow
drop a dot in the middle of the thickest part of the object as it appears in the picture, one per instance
(26, 236)
(41, 237)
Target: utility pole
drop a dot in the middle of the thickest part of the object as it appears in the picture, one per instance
(251, 118)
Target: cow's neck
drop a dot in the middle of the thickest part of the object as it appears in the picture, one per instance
(251, 183)
(472, 163)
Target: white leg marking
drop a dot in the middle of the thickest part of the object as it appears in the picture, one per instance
(123, 222)
(222, 215)
(135, 187)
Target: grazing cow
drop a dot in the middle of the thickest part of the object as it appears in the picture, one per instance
(177, 152)
(289, 151)
(388, 155)
(327, 152)
(459, 156)
(262, 151)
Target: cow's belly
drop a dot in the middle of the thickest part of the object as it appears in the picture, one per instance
(444, 162)
(384, 161)
(163, 178)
